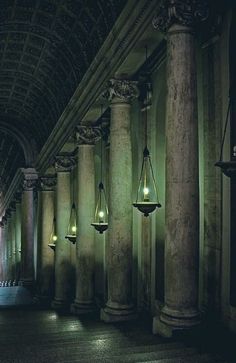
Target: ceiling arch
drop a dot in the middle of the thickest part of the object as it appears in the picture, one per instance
(46, 47)
(10, 134)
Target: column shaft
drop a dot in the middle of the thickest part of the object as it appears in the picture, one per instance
(119, 305)
(18, 240)
(182, 198)
(84, 301)
(27, 238)
(45, 257)
(63, 269)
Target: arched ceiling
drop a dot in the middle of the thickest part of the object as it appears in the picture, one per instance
(46, 46)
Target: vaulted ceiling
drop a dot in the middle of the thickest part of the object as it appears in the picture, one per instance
(46, 46)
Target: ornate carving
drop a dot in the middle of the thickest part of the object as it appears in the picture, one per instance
(125, 90)
(88, 135)
(29, 184)
(64, 162)
(184, 12)
(47, 183)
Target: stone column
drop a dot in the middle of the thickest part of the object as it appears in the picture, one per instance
(27, 229)
(4, 248)
(84, 302)
(1, 252)
(9, 247)
(119, 305)
(45, 256)
(18, 235)
(182, 184)
(13, 242)
(63, 269)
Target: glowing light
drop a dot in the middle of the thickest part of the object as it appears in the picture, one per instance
(101, 214)
(73, 229)
(54, 238)
(145, 191)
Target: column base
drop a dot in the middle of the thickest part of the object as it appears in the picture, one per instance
(114, 312)
(170, 321)
(60, 305)
(79, 307)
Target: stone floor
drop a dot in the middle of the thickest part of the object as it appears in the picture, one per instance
(31, 335)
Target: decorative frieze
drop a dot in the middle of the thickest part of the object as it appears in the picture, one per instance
(64, 162)
(88, 135)
(183, 12)
(124, 90)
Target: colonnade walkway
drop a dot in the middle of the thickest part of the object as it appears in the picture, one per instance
(31, 335)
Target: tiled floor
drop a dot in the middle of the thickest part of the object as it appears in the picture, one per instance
(31, 336)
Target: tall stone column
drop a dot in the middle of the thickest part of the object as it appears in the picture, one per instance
(27, 229)
(45, 256)
(63, 268)
(182, 184)
(84, 302)
(13, 241)
(4, 248)
(18, 235)
(1, 252)
(119, 305)
(9, 246)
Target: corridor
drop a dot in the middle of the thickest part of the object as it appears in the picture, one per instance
(30, 335)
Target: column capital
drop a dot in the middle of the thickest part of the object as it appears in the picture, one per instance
(64, 162)
(30, 179)
(88, 135)
(48, 182)
(29, 184)
(121, 89)
(183, 12)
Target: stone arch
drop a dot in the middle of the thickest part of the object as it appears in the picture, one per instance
(26, 142)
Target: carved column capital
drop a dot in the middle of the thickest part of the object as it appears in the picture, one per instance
(88, 135)
(29, 184)
(124, 90)
(64, 162)
(48, 182)
(182, 12)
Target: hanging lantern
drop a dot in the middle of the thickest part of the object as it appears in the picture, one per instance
(228, 167)
(101, 211)
(53, 236)
(72, 226)
(147, 196)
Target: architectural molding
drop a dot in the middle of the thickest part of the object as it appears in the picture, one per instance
(88, 135)
(64, 162)
(182, 12)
